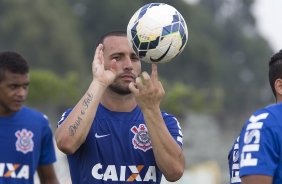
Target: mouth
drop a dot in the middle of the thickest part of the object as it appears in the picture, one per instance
(18, 102)
(128, 77)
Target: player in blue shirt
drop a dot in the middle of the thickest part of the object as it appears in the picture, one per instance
(117, 133)
(26, 142)
(255, 157)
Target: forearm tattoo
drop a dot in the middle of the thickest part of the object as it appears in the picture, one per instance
(85, 106)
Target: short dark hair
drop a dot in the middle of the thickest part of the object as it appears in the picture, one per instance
(13, 62)
(112, 33)
(275, 70)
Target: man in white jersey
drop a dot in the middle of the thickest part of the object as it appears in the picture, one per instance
(117, 133)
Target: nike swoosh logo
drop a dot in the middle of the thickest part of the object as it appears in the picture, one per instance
(162, 56)
(100, 136)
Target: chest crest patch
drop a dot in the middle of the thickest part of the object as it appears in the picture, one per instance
(141, 139)
(24, 141)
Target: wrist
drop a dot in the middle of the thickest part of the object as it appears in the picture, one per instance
(152, 110)
(97, 85)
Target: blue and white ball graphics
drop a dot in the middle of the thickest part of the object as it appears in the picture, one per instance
(157, 32)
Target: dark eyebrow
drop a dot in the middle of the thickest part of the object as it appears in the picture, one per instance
(17, 84)
(117, 53)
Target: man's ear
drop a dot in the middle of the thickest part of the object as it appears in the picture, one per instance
(278, 87)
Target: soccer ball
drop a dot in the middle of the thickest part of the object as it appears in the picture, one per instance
(157, 33)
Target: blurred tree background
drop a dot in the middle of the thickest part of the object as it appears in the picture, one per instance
(222, 71)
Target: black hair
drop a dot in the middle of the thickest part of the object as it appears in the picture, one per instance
(13, 62)
(112, 33)
(275, 70)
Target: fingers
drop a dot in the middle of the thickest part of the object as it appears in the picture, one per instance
(98, 57)
(142, 80)
(133, 88)
(144, 76)
(161, 87)
(154, 73)
(98, 60)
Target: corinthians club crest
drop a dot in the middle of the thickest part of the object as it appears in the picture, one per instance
(141, 139)
(24, 141)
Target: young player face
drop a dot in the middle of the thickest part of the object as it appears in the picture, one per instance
(13, 92)
(128, 64)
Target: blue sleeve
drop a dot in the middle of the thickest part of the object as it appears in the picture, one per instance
(259, 145)
(233, 163)
(47, 154)
(174, 128)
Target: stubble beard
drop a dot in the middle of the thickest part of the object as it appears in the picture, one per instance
(120, 89)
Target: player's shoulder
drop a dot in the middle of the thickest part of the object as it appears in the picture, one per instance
(169, 118)
(64, 116)
(34, 113)
(166, 115)
(269, 116)
(67, 112)
(275, 109)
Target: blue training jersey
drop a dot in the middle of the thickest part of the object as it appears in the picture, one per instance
(118, 149)
(260, 144)
(25, 143)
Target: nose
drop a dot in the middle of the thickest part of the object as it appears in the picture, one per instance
(22, 91)
(128, 63)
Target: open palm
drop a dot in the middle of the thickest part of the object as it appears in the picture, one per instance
(106, 77)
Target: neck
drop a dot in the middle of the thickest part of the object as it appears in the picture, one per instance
(4, 113)
(117, 102)
(278, 99)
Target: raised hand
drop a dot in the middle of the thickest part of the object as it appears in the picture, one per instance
(100, 74)
(148, 90)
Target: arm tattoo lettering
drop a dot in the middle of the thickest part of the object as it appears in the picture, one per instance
(72, 128)
(85, 106)
(86, 103)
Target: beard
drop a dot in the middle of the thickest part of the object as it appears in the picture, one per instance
(120, 89)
